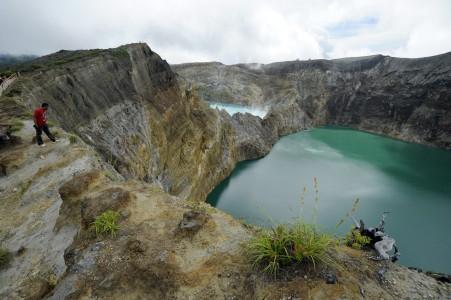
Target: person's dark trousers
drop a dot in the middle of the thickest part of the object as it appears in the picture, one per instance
(39, 130)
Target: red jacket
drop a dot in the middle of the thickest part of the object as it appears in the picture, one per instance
(39, 117)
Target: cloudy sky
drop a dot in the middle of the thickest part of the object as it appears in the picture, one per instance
(230, 31)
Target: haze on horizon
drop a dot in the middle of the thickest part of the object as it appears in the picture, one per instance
(230, 31)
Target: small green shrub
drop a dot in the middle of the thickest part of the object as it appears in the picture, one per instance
(119, 52)
(110, 175)
(112, 159)
(72, 138)
(106, 223)
(57, 133)
(52, 280)
(24, 186)
(199, 206)
(355, 240)
(5, 258)
(17, 126)
(284, 246)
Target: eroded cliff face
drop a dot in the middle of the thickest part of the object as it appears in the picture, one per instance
(127, 103)
(409, 99)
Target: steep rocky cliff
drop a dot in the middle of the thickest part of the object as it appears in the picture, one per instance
(127, 103)
(409, 99)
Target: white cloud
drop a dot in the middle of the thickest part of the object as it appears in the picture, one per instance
(230, 31)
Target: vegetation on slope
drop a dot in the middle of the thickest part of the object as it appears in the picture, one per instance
(59, 58)
(284, 246)
(5, 258)
(106, 223)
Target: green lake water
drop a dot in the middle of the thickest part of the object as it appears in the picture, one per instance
(412, 182)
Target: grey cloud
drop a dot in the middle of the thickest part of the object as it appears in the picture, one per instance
(230, 31)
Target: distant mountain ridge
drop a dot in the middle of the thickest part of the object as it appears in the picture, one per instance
(10, 59)
(404, 98)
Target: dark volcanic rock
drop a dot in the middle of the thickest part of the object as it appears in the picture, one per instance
(192, 221)
(409, 99)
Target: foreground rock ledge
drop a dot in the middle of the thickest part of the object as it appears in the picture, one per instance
(166, 248)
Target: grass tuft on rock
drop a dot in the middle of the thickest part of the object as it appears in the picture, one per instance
(24, 186)
(106, 223)
(285, 246)
(17, 126)
(72, 138)
(5, 258)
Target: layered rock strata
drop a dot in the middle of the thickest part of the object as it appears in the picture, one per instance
(408, 99)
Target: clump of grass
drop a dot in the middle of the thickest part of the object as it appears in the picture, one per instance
(5, 258)
(73, 138)
(16, 126)
(106, 223)
(110, 175)
(286, 245)
(199, 206)
(56, 132)
(119, 52)
(356, 240)
(24, 186)
(355, 205)
(52, 280)
(112, 159)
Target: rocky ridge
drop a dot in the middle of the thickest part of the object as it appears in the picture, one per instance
(126, 102)
(408, 99)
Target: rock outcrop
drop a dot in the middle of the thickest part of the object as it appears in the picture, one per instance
(127, 103)
(408, 99)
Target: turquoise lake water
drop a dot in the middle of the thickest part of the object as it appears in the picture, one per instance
(412, 182)
(232, 109)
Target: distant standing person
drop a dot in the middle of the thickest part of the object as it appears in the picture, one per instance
(40, 124)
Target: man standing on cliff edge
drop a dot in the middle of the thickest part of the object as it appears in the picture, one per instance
(40, 124)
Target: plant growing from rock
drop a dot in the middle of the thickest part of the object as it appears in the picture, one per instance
(17, 126)
(200, 207)
(106, 223)
(5, 258)
(354, 208)
(72, 138)
(24, 186)
(52, 280)
(355, 240)
(286, 245)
